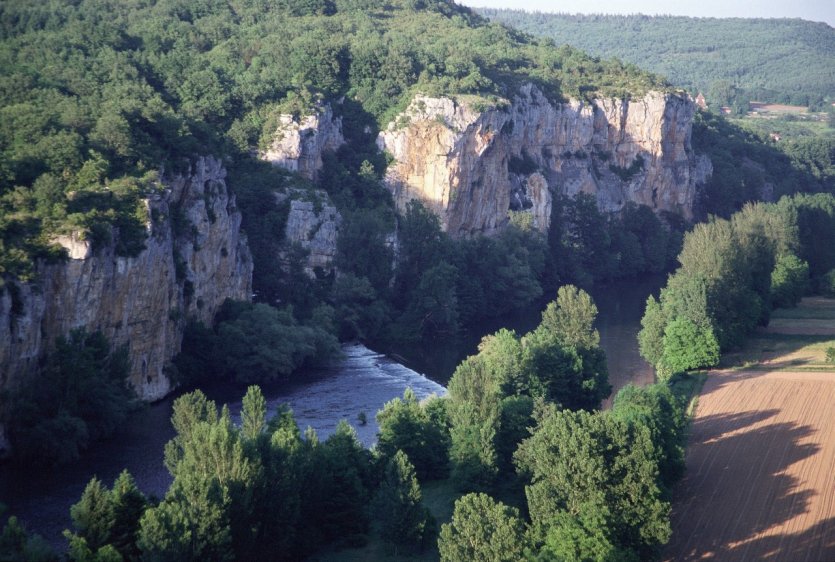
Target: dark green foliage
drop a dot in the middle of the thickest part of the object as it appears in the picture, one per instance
(80, 396)
(433, 308)
(263, 343)
(745, 167)
(777, 60)
(490, 394)
(732, 273)
(405, 425)
(95, 100)
(563, 356)
(336, 482)
(601, 467)
(655, 407)
(258, 491)
(255, 343)
(17, 545)
(93, 515)
(359, 312)
(815, 217)
(687, 346)
(789, 281)
(498, 274)
(583, 536)
(404, 521)
(361, 248)
(263, 219)
(442, 285)
(482, 529)
(423, 245)
(107, 521)
(587, 245)
(515, 417)
(253, 414)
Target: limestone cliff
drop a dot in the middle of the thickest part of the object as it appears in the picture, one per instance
(299, 143)
(195, 257)
(471, 161)
(312, 223)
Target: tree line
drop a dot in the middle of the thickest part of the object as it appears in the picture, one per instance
(730, 60)
(521, 423)
(97, 99)
(732, 273)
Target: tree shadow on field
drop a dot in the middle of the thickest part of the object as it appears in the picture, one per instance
(709, 428)
(815, 544)
(738, 486)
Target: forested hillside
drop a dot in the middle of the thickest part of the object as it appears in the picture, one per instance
(776, 60)
(98, 97)
(102, 102)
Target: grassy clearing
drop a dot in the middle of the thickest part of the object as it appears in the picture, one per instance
(795, 340)
(782, 352)
(814, 308)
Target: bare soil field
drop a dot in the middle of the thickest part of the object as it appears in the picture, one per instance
(777, 107)
(760, 481)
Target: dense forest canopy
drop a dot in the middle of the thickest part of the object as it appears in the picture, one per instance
(98, 96)
(775, 60)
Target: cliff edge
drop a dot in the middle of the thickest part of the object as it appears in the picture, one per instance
(471, 161)
(195, 257)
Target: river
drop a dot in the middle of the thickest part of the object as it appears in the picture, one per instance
(360, 381)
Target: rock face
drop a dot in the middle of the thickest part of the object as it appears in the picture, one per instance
(312, 223)
(472, 162)
(298, 144)
(195, 257)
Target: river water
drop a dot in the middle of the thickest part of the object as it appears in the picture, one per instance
(360, 381)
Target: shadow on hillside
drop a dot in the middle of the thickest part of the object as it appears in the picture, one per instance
(738, 485)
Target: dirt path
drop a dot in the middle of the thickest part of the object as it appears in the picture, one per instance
(760, 481)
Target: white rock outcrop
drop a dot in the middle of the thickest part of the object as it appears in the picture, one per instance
(471, 161)
(299, 143)
(313, 223)
(195, 257)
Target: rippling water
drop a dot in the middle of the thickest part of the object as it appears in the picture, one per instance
(360, 381)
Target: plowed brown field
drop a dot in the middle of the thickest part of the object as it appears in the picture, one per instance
(760, 481)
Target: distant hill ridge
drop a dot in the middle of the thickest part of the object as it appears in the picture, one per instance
(776, 60)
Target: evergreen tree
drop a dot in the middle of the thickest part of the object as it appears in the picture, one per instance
(18, 545)
(93, 516)
(129, 503)
(253, 413)
(404, 521)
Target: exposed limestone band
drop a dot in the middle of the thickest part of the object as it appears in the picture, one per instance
(139, 301)
(471, 161)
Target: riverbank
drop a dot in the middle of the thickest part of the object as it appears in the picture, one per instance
(359, 381)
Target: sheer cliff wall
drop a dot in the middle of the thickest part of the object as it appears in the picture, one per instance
(195, 257)
(471, 161)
